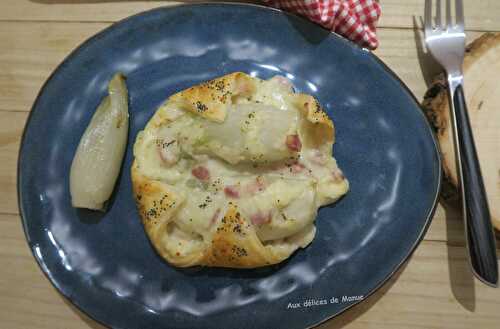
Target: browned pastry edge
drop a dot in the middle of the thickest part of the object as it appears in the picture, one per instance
(234, 243)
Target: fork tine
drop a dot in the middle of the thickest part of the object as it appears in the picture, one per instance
(448, 14)
(438, 14)
(460, 13)
(428, 16)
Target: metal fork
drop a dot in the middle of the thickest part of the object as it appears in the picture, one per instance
(446, 43)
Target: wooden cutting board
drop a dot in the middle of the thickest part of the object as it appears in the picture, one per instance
(482, 93)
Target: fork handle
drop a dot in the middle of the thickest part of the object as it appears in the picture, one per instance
(478, 228)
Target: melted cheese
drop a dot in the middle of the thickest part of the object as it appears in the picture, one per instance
(244, 160)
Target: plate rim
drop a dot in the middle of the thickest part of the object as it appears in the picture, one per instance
(340, 38)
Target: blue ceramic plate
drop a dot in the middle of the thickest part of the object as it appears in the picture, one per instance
(105, 264)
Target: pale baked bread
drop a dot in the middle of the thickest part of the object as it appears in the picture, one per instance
(231, 172)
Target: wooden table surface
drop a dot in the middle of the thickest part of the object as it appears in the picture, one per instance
(435, 289)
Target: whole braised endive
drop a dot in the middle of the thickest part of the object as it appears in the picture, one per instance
(99, 156)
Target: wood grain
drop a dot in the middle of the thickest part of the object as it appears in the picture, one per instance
(11, 129)
(403, 52)
(446, 225)
(83, 10)
(434, 290)
(481, 68)
(482, 15)
(34, 303)
(36, 48)
(54, 40)
(424, 293)
(77, 10)
(32, 50)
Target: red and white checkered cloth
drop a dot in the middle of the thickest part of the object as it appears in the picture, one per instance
(354, 19)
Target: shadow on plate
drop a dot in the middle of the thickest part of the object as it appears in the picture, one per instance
(309, 32)
(256, 273)
(336, 323)
(84, 317)
(89, 217)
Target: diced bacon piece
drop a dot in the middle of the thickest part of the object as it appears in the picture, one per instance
(201, 173)
(215, 216)
(293, 143)
(260, 218)
(232, 191)
(297, 167)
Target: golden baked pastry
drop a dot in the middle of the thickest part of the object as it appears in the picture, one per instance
(231, 172)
